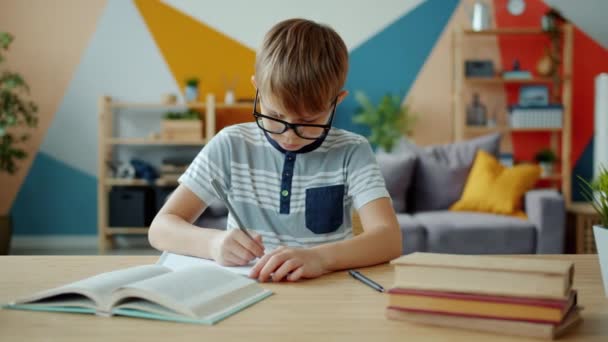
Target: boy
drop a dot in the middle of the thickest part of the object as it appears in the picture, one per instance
(291, 178)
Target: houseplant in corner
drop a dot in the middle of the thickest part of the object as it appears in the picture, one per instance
(546, 158)
(16, 115)
(596, 193)
(389, 122)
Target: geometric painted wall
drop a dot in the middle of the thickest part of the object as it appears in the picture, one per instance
(142, 49)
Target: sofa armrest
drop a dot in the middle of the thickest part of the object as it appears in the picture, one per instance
(546, 210)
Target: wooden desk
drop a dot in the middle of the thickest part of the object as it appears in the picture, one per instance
(332, 308)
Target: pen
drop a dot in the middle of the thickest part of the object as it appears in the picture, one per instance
(218, 188)
(365, 280)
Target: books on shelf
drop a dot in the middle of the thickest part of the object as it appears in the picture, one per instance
(550, 116)
(198, 293)
(486, 293)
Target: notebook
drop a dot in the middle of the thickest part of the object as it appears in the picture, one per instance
(201, 294)
(178, 261)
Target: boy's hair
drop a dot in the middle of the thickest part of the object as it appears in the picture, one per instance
(301, 66)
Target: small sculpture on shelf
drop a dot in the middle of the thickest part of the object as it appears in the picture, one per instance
(476, 112)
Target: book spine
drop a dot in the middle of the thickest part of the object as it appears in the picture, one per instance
(483, 282)
(548, 303)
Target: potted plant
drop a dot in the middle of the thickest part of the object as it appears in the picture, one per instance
(182, 126)
(596, 193)
(16, 113)
(389, 122)
(191, 92)
(546, 158)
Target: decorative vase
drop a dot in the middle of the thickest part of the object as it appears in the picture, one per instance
(191, 93)
(601, 243)
(5, 234)
(546, 169)
(229, 97)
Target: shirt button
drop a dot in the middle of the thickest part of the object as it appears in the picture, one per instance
(284, 193)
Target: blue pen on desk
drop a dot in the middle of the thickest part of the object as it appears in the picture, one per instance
(365, 280)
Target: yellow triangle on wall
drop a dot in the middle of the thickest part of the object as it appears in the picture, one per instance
(193, 49)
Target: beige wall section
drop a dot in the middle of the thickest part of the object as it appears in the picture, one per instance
(50, 38)
(431, 94)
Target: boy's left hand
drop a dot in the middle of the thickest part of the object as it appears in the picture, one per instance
(290, 264)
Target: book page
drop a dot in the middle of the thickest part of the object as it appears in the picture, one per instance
(94, 290)
(196, 291)
(177, 262)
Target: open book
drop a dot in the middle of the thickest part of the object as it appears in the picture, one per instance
(203, 294)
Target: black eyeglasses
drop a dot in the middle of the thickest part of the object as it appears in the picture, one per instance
(304, 131)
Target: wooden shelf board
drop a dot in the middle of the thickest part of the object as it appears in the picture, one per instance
(502, 80)
(126, 230)
(150, 105)
(138, 182)
(555, 177)
(195, 105)
(158, 142)
(506, 31)
(473, 129)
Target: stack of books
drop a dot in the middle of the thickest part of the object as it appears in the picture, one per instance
(505, 295)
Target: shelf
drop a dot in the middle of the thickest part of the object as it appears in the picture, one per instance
(126, 230)
(138, 182)
(481, 130)
(556, 177)
(501, 80)
(507, 31)
(156, 142)
(194, 105)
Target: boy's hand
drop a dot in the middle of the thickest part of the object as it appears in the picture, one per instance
(234, 248)
(290, 264)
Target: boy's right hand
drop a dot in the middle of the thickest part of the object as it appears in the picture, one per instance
(234, 248)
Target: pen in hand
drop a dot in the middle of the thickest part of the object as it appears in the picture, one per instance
(365, 280)
(218, 189)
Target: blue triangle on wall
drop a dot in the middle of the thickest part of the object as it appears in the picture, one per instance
(391, 60)
(55, 199)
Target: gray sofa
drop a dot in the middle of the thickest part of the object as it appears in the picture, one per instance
(424, 182)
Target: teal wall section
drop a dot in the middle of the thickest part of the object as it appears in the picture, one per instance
(55, 199)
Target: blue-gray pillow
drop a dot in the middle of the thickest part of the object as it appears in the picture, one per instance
(441, 172)
(397, 170)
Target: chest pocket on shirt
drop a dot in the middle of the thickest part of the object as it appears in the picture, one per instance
(325, 208)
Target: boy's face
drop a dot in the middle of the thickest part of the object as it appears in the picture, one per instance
(289, 140)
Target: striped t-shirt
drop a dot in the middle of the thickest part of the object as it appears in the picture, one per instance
(297, 199)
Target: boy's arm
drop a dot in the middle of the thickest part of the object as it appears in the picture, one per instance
(172, 228)
(379, 242)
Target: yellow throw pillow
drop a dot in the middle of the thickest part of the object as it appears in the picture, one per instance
(494, 188)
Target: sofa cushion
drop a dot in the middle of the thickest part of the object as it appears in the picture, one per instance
(442, 170)
(477, 233)
(494, 188)
(413, 234)
(397, 170)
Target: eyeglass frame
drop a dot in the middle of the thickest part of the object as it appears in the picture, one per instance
(288, 125)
